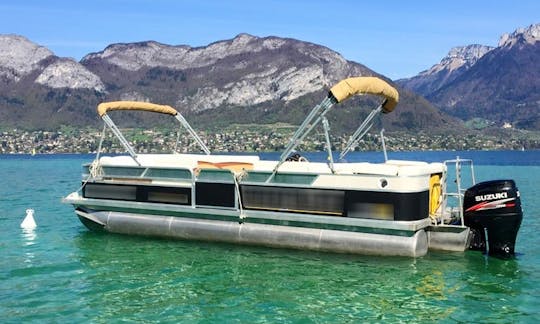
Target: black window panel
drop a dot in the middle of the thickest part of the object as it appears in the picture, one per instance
(407, 206)
(214, 194)
(177, 196)
(293, 199)
(108, 191)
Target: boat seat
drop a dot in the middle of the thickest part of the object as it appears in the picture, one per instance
(232, 166)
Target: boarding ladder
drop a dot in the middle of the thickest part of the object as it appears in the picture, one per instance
(450, 212)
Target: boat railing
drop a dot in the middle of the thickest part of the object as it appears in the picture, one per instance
(455, 190)
(141, 172)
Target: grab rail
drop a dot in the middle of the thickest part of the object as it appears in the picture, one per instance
(460, 191)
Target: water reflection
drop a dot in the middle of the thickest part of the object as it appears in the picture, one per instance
(28, 236)
(147, 278)
(138, 277)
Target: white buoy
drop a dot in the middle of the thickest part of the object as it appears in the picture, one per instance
(29, 222)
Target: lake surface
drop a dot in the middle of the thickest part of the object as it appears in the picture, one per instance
(61, 272)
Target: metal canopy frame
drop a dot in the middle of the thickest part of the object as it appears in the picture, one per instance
(316, 116)
(361, 131)
(112, 126)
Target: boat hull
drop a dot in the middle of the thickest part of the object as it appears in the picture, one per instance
(269, 235)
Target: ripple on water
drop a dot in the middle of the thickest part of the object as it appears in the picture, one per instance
(63, 273)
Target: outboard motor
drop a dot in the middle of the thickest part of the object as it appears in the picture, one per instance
(492, 210)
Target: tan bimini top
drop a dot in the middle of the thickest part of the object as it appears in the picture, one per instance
(366, 85)
(105, 107)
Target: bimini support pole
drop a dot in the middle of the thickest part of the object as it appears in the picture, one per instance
(188, 127)
(315, 116)
(120, 137)
(384, 146)
(326, 127)
(361, 131)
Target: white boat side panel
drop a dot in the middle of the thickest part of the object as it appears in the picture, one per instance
(117, 161)
(324, 168)
(373, 183)
(175, 160)
(301, 167)
(174, 183)
(405, 162)
(428, 169)
(190, 161)
(366, 168)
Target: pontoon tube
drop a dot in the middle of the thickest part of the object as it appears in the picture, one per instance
(258, 234)
(366, 85)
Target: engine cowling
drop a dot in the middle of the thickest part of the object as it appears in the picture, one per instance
(492, 210)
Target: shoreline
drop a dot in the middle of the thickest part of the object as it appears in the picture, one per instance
(246, 140)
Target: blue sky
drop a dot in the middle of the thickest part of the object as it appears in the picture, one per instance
(394, 38)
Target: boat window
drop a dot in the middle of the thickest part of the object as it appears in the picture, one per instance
(215, 175)
(371, 210)
(215, 194)
(123, 171)
(399, 206)
(180, 196)
(285, 178)
(303, 200)
(168, 173)
(107, 191)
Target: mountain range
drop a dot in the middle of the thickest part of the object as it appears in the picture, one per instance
(499, 84)
(251, 79)
(243, 80)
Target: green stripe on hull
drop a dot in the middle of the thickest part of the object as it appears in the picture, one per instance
(257, 220)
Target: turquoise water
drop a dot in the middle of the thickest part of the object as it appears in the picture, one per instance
(61, 272)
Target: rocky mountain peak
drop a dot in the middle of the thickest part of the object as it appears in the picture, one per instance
(529, 35)
(286, 70)
(246, 70)
(242, 39)
(463, 56)
(497, 84)
(19, 57)
(457, 62)
(136, 56)
(66, 73)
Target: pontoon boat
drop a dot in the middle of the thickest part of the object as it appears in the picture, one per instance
(390, 208)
